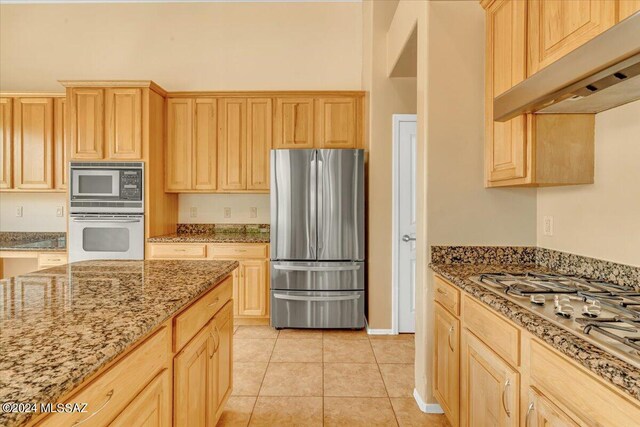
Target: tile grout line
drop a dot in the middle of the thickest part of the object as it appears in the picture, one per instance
(395, 416)
(263, 377)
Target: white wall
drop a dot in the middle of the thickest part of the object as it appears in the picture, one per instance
(211, 208)
(183, 46)
(601, 220)
(38, 212)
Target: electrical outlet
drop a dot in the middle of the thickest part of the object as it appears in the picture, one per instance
(227, 212)
(253, 212)
(19, 211)
(60, 211)
(548, 225)
(193, 212)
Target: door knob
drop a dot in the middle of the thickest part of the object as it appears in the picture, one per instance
(407, 238)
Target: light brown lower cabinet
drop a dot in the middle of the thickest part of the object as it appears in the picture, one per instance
(508, 377)
(250, 280)
(178, 376)
(489, 386)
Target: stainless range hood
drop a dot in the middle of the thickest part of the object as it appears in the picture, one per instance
(601, 74)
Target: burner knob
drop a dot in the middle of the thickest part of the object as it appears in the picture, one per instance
(537, 299)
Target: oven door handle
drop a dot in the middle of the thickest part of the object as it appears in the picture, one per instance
(116, 221)
(312, 298)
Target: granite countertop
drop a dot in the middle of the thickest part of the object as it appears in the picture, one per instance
(216, 233)
(32, 241)
(61, 325)
(605, 365)
(222, 237)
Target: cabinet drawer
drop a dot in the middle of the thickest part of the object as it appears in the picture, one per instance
(194, 318)
(496, 332)
(240, 251)
(586, 397)
(178, 250)
(447, 295)
(111, 392)
(51, 260)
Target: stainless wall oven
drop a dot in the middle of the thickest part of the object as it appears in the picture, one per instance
(106, 211)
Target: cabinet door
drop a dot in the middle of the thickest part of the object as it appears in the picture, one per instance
(33, 138)
(87, 123)
(205, 152)
(259, 139)
(556, 27)
(489, 386)
(336, 123)
(150, 408)
(232, 143)
(294, 123)
(124, 123)
(542, 413)
(191, 381)
(60, 143)
(446, 375)
(6, 139)
(506, 143)
(252, 288)
(179, 143)
(626, 8)
(222, 381)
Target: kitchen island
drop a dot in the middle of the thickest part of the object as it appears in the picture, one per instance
(105, 333)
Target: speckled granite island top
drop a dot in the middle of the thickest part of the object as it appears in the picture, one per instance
(612, 369)
(32, 241)
(59, 326)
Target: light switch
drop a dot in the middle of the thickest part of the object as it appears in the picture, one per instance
(227, 212)
(253, 212)
(193, 212)
(60, 211)
(19, 211)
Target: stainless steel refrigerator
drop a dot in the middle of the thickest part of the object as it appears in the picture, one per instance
(317, 239)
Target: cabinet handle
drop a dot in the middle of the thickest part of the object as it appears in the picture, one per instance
(440, 291)
(109, 396)
(215, 301)
(507, 383)
(215, 345)
(180, 250)
(529, 410)
(449, 338)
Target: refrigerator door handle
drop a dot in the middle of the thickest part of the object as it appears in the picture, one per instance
(309, 268)
(320, 240)
(313, 239)
(311, 298)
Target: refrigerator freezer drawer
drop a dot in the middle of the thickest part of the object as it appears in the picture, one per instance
(328, 310)
(317, 276)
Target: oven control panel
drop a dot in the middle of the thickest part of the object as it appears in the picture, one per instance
(131, 184)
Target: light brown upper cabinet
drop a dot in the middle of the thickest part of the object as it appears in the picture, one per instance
(294, 123)
(626, 8)
(86, 127)
(60, 143)
(506, 150)
(6, 142)
(232, 144)
(556, 27)
(259, 141)
(124, 123)
(528, 150)
(337, 123)
(33, 140)
(205, 152)
(179, 143)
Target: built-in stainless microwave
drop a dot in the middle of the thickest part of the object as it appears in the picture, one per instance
(106, 187)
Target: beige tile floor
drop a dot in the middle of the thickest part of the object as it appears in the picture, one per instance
(316, 378)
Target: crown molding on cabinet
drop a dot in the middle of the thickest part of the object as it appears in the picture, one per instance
(115, 83)
(265, 93)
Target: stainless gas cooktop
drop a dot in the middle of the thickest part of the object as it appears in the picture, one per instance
(605, 314)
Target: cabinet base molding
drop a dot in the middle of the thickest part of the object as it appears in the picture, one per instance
(251, 321)
(428, 408)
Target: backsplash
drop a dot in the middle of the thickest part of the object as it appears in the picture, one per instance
(223, 209)
(561, 262)
(38, 212)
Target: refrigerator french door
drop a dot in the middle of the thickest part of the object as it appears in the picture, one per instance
(317, 238)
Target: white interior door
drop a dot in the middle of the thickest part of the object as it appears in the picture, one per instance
(405, 169)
